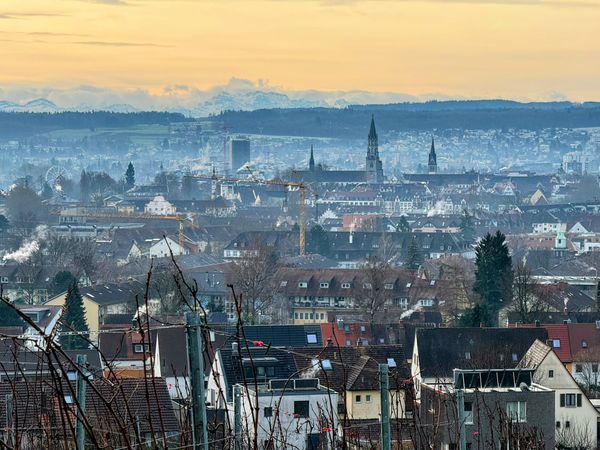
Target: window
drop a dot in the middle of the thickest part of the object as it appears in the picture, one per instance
(363, 328)
(345, 285)
(283, 284)
(567, 424)
(323, 285)
(69, 399)
(556, 343)
(584, 344)
(326, 364)
(468, 413)
(141, 348)
(302, 284)
(367, 285)
(322, 316)
(467, 355)
(296, 315)
(358, 398)
(517, 411)
(551, 373)
(570, 400)
(368, 398)
(71, 376)
(515, 357)
(578, 368)
(557, 424)
(348, 343)
(391, 362)
(595, 368)
(388, 286)
(311, 338)
(268, 411)
(301, 408)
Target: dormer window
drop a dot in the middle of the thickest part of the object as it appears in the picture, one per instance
(283, 284)
(584, 344)
(388, 286)
(367, 285)
(303, 284)
(345, 285)
(324, 285)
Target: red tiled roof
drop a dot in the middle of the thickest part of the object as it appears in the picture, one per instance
(584, 337)
(560, 333)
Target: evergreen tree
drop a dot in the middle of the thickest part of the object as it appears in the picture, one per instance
(414, 258)
(403, 225)
(8, 316)
(467, 229)
(84, 186)
(74, 320)
(4, 223)
(61, 282)
(130, 176)
(493, 276)
(318, 241)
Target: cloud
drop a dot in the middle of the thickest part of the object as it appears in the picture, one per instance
(119, 44)
(22, 15)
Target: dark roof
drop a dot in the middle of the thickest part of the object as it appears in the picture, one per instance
(238, 369)
(279, 335)
(443, 349)
(352, 368)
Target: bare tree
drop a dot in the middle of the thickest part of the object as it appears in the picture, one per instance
(526, 299)
(373, 296)
(253, 278)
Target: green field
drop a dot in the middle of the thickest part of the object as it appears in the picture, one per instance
(139, 134)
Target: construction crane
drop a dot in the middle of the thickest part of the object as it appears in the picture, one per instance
(291, 185)
(116, 215)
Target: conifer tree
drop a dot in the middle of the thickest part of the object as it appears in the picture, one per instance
(130, 176)
(74, 320)
(414, 258)
(8, 316)
(403, 225)
(493, 276)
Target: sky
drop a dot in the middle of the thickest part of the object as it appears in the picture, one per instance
(519, 49)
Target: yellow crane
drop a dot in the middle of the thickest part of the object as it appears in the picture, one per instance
(122, 215)
(291, 185)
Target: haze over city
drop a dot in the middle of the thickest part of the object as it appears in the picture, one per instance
(300, 224)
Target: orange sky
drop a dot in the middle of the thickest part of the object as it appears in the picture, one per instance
(531, 49)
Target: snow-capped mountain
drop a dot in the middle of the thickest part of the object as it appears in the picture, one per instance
(37, 105)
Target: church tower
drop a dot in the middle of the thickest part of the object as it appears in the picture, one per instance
(432, 158)
(374, 168)
(311, 161)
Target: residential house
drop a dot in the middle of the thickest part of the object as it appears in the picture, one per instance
(438, 351)
(576, 419)
(104, 299)
(490, 408)
(297, 413)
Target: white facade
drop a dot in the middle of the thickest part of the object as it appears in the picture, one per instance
(575, 415)
(290, 417)
(549, 227)
(159, 206)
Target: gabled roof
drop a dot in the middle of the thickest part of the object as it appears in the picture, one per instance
(443, 349)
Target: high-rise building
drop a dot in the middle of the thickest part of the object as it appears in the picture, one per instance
(239, 153)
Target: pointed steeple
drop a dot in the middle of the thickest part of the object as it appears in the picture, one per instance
(432, 163)
(373, 163)
(311, 161)
(372, 131)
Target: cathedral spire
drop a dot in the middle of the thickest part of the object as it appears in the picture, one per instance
(311, 161)
(432, 163)
(373, 163)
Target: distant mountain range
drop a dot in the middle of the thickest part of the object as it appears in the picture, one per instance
(206, 103)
